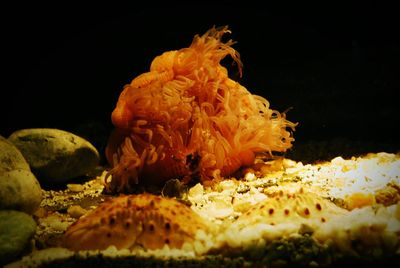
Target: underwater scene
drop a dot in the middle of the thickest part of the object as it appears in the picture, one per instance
(175, 155)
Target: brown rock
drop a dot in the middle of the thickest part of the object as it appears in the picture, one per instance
(55, 155)
(10, 157)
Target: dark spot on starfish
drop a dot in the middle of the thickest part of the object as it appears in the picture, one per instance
(271, 211)
(306, 211)
(151, 227)
(167, 226)
(286, 211)
(318, 206)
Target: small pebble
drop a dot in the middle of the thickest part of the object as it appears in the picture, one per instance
(75, 188)
(76, 211)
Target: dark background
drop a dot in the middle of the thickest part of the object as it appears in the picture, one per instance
(336, 66)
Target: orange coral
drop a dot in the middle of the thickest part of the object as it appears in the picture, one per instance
(143, 220)
(186, 115)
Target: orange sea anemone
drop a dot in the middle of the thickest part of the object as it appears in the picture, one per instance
(187, 116)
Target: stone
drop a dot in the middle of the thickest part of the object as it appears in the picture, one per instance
(10, 157)
(20, 190)
(16, 231)
(55, 155)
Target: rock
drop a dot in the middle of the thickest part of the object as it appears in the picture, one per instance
(10, 157)
(55, 155)
(16, 230)
(20, 190)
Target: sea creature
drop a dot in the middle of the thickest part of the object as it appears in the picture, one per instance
(300, 207)
(143, 220)
(186, 117)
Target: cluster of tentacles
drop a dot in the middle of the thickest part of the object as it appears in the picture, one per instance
(187, 116)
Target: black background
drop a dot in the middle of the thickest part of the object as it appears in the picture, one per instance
(336, 66)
